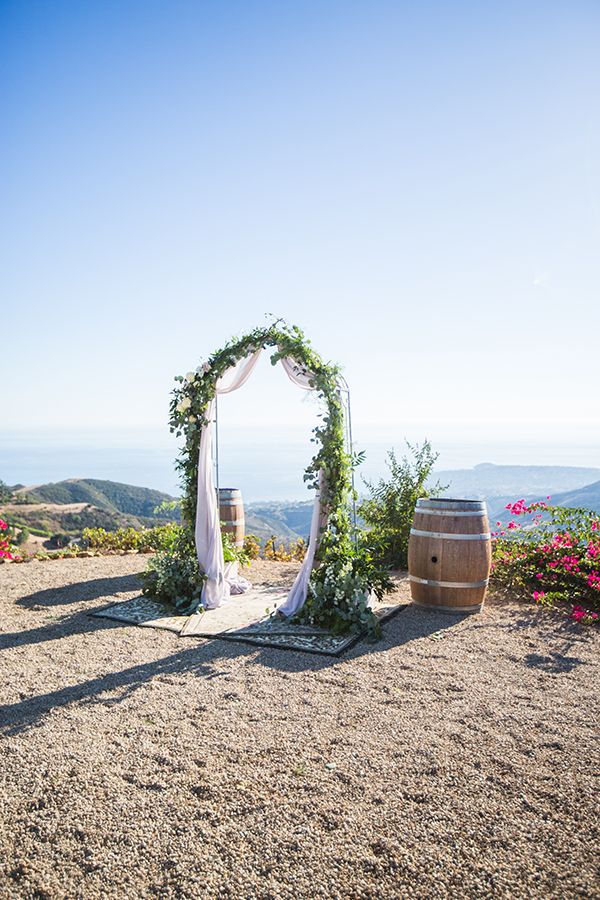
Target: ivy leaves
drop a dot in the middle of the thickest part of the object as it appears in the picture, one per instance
(345, 609)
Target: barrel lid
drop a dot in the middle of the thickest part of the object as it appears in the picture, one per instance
(452, 505)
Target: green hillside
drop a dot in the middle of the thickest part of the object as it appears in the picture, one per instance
(51, 519)
(111, 496)
(111, 505)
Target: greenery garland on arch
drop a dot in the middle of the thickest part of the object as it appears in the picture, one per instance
(344, 573)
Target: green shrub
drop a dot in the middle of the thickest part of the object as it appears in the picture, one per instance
(388, 510)
(163, 537)
(339, 594)
(22, 537)
(231, 553)
(173, 574)
(174, 578)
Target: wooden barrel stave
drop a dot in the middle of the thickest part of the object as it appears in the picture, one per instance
(453, 551)
(231, 514)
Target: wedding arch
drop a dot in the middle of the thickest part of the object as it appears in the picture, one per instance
(336, 578)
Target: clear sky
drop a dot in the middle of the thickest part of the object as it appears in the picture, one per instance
(415, 184)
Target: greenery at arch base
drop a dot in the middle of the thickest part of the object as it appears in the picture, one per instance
(344, 573)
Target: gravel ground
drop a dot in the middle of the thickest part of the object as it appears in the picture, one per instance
(456, 757)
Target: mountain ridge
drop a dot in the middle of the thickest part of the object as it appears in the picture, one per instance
(50, 508)
(111, 496)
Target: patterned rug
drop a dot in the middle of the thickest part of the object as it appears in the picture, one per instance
(264, 631)
(144, 612)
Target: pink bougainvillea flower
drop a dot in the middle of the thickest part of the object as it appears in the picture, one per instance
(518, 508)
(581, 614)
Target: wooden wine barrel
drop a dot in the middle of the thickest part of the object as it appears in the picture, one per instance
(231, 512)
(449, 554)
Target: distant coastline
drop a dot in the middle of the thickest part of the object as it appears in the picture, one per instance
(267, 467)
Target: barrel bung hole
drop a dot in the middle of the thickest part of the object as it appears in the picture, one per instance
(434, 559)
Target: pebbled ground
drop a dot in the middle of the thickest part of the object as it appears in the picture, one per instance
(456, 757)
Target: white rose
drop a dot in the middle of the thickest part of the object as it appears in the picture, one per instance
(184, 404)
(191, 376)
(192, 419)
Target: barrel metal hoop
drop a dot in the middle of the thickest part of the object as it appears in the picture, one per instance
(486, 536)
(447, 512)
(449, 584)
(229, 503)
(438, 607)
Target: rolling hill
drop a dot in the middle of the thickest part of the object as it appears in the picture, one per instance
(72, 505)
(67, 507)
(111, 496)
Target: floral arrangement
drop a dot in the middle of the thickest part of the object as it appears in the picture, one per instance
(551, 555)
(6, 547)
(334, 597)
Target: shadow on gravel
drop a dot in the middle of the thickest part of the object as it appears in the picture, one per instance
(204, 659)
(562, 636)
(67, 624)
(83, 590)
(555, 662)
(77, 623)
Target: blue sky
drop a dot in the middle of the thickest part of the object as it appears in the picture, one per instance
(417, 185)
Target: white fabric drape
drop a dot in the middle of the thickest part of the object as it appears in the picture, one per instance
(297, 596)
(221, 583)
(237, 376)
(297, 373)
(208, 528)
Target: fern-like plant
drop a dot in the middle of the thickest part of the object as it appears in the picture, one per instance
(388, 509)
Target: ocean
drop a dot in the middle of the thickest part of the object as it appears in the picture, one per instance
(266, 464)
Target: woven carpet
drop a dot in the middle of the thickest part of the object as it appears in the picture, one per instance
(246, 619)
(145, 612)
